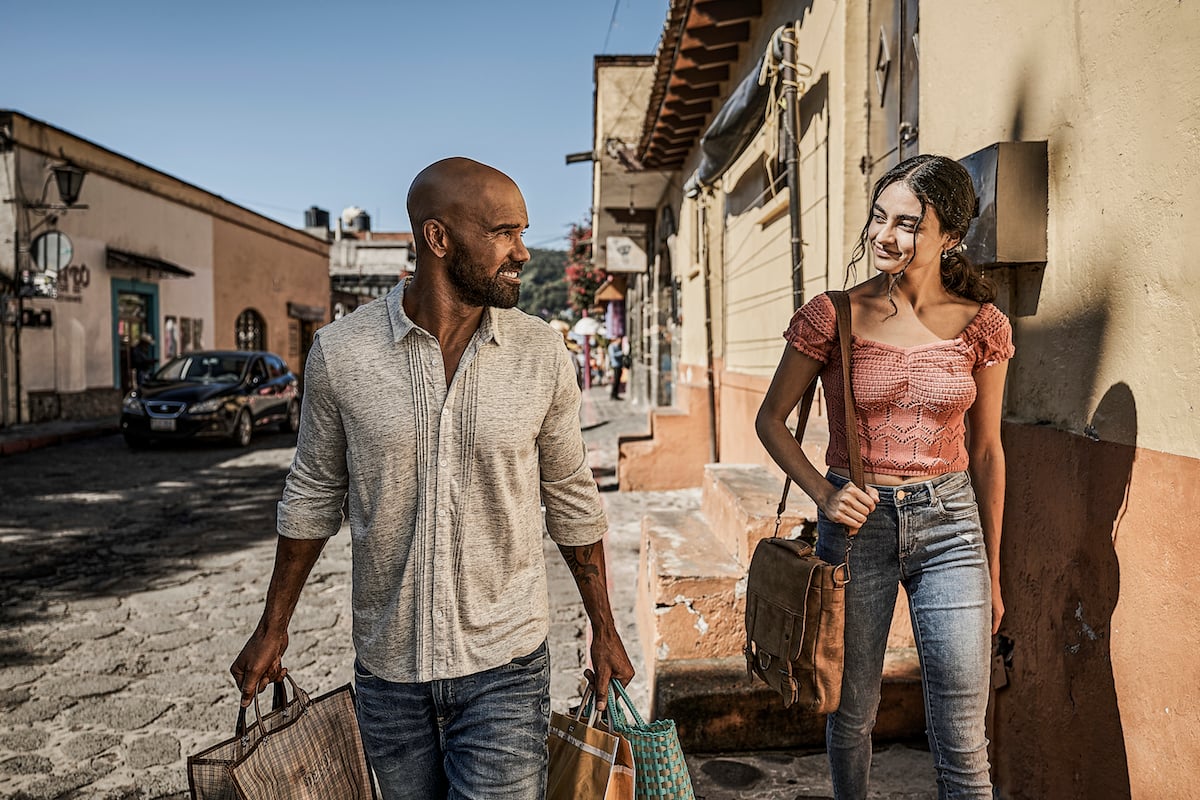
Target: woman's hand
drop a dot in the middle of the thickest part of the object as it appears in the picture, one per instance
(850, 506)
(997, 607)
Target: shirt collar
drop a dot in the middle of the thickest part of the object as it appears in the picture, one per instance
(491, 327)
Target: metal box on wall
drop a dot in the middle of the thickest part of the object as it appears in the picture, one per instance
(1012, 183)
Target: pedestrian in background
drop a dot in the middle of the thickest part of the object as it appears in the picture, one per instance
(616, 365)
(142, 359)
(447, 417)
(929, 353)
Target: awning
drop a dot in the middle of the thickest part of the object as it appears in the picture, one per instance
(306, 313)
(119, 258)
(733, 128)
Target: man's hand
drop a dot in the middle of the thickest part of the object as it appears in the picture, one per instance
(259, 664)
(609, 661)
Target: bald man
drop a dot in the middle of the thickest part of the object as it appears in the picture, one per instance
(448, 418)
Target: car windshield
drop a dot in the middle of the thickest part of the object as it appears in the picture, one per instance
(198, 368)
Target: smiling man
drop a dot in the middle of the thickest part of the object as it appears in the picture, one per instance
(448, 418)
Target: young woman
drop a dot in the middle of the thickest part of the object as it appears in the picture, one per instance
(929, 353)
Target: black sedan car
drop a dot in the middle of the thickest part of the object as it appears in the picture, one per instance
(213, 394)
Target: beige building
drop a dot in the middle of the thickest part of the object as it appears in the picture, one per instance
(363, 264)
(1101, 430)
(149, 254)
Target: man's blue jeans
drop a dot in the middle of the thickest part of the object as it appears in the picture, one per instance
(927, 538)
(478, 737)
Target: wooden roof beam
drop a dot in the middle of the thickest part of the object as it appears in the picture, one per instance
(715, 35)
(724, 12)
(706, 57)
(691, 94)
(701, 76)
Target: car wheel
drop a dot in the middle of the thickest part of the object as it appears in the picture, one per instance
(292, 423)
(243, 429)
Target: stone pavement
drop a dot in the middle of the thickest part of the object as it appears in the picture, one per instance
(899, 771)
(106, 684)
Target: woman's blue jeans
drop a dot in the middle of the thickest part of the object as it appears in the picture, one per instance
(927, 538)
(478, 737)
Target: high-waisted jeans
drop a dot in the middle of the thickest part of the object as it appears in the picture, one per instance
(927, 538)
(479, 737)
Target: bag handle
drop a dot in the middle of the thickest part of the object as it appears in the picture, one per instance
(841, 305)
(614, 704)
(278, 700)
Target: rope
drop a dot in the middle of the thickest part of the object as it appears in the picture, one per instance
(772, 74)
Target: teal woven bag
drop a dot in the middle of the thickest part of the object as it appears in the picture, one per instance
(660, 769)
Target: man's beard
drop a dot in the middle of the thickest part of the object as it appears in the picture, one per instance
(475, 289)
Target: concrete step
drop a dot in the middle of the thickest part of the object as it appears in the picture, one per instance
(691, 592)
(671, 455)
(739, 502)
(717, 707)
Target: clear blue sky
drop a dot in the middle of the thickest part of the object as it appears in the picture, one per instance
(281, 105)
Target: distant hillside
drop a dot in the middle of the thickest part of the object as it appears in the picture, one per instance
(543, 283)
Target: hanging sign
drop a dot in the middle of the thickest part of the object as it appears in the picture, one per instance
(624, 254)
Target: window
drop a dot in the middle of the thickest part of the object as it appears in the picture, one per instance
(251, 331)
(276, 367)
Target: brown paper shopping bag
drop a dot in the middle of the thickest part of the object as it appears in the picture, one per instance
(587, 762)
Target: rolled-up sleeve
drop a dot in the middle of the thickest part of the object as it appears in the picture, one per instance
(574, 515)
(316, 486)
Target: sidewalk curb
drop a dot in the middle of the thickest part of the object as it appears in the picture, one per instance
(35, 440)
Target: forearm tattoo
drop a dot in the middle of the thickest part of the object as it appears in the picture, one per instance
(579, 562)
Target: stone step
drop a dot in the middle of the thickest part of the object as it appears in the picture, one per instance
(739, 502)
(671, 455)
(717, 707)
(691, 592)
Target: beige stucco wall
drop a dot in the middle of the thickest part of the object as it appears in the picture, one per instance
(1110, 86)
(255, 271)
(77, 352)
(749, 232)
(1101, 581)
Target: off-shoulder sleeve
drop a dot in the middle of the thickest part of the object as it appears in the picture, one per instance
(991, 337)
(813, 330)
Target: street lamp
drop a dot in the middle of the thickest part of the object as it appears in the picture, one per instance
(70, 181)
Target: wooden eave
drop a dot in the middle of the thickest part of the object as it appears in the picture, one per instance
(701, 40)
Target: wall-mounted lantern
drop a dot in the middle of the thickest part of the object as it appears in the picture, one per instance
(70, 182)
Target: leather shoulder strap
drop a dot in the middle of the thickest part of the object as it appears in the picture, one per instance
(841, 304)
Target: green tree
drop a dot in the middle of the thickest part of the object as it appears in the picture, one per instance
(543, 283)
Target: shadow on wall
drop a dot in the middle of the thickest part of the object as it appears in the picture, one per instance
(1058, 730)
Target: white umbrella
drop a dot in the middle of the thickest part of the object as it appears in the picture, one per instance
(588, 326)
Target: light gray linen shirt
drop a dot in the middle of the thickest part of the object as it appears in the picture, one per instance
(444, 483)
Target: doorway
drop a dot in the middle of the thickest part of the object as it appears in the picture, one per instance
(135, 312)
(893, 69)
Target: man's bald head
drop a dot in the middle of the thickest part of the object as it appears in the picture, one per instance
(453, 190)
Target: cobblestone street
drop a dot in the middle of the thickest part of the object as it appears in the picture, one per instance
(131, 580)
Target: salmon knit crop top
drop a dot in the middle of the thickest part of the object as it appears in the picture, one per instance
(911, 402)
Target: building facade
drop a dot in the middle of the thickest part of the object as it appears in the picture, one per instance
(1096, 655)
(149, 255)
(363, 264)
